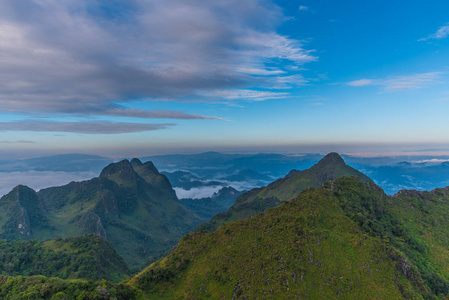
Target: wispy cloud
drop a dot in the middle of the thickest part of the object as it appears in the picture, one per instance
(441, 33)
(415, 81)
(17, 142)
(158, 114)
(362, 82)
(78, 57)
(100, 127)
(246, 95)
(303, 7)
(397, 83)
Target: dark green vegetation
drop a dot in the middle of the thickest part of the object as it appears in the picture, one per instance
(425, 220)
(347, 239)
(326, 243)
(131, 205)
(210, 206)
(88, 257)
(40, 287)
(257, 200)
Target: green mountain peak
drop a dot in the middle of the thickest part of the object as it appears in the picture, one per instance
(332, 158)
(131, 205)
(257, 200)
(121, 172)
(136, 162)
(21, 211)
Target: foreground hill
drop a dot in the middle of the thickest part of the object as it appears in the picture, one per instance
(131, 205)
(257, 200)
(88, 257)
(338, 241)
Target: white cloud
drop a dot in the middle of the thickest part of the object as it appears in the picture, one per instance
(441, 33)
(157, 114)
(78, 57)
(361, 82)
(261, 72)
(433, 160)
(17, 142)
(303, 7)
(99, 127)
(415, 81)
(397, 83)
(197, 193)
(208, 191)
(245, 95)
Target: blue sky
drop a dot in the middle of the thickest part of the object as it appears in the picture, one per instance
(135, 78)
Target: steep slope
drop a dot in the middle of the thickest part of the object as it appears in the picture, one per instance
(88, 257)
(130, 204)
(250, 203)
(425, 216)
(21, 213)
(336, 241)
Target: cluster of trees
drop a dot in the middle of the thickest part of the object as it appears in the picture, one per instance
(88, 257)
(40, 287)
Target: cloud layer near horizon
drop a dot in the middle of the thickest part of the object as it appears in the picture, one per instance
(100, 127)
(39, 180)
(88, 57)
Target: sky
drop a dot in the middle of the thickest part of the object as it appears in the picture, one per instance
(144, 77)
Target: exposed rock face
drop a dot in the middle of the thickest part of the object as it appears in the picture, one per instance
(21, 210)
(91, 222)
(121, 171)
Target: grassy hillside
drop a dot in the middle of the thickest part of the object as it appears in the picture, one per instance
(337, 241)
(425, 217)
(257, 200)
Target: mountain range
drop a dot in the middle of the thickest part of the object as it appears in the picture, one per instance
(325, 232)
(200, 175)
